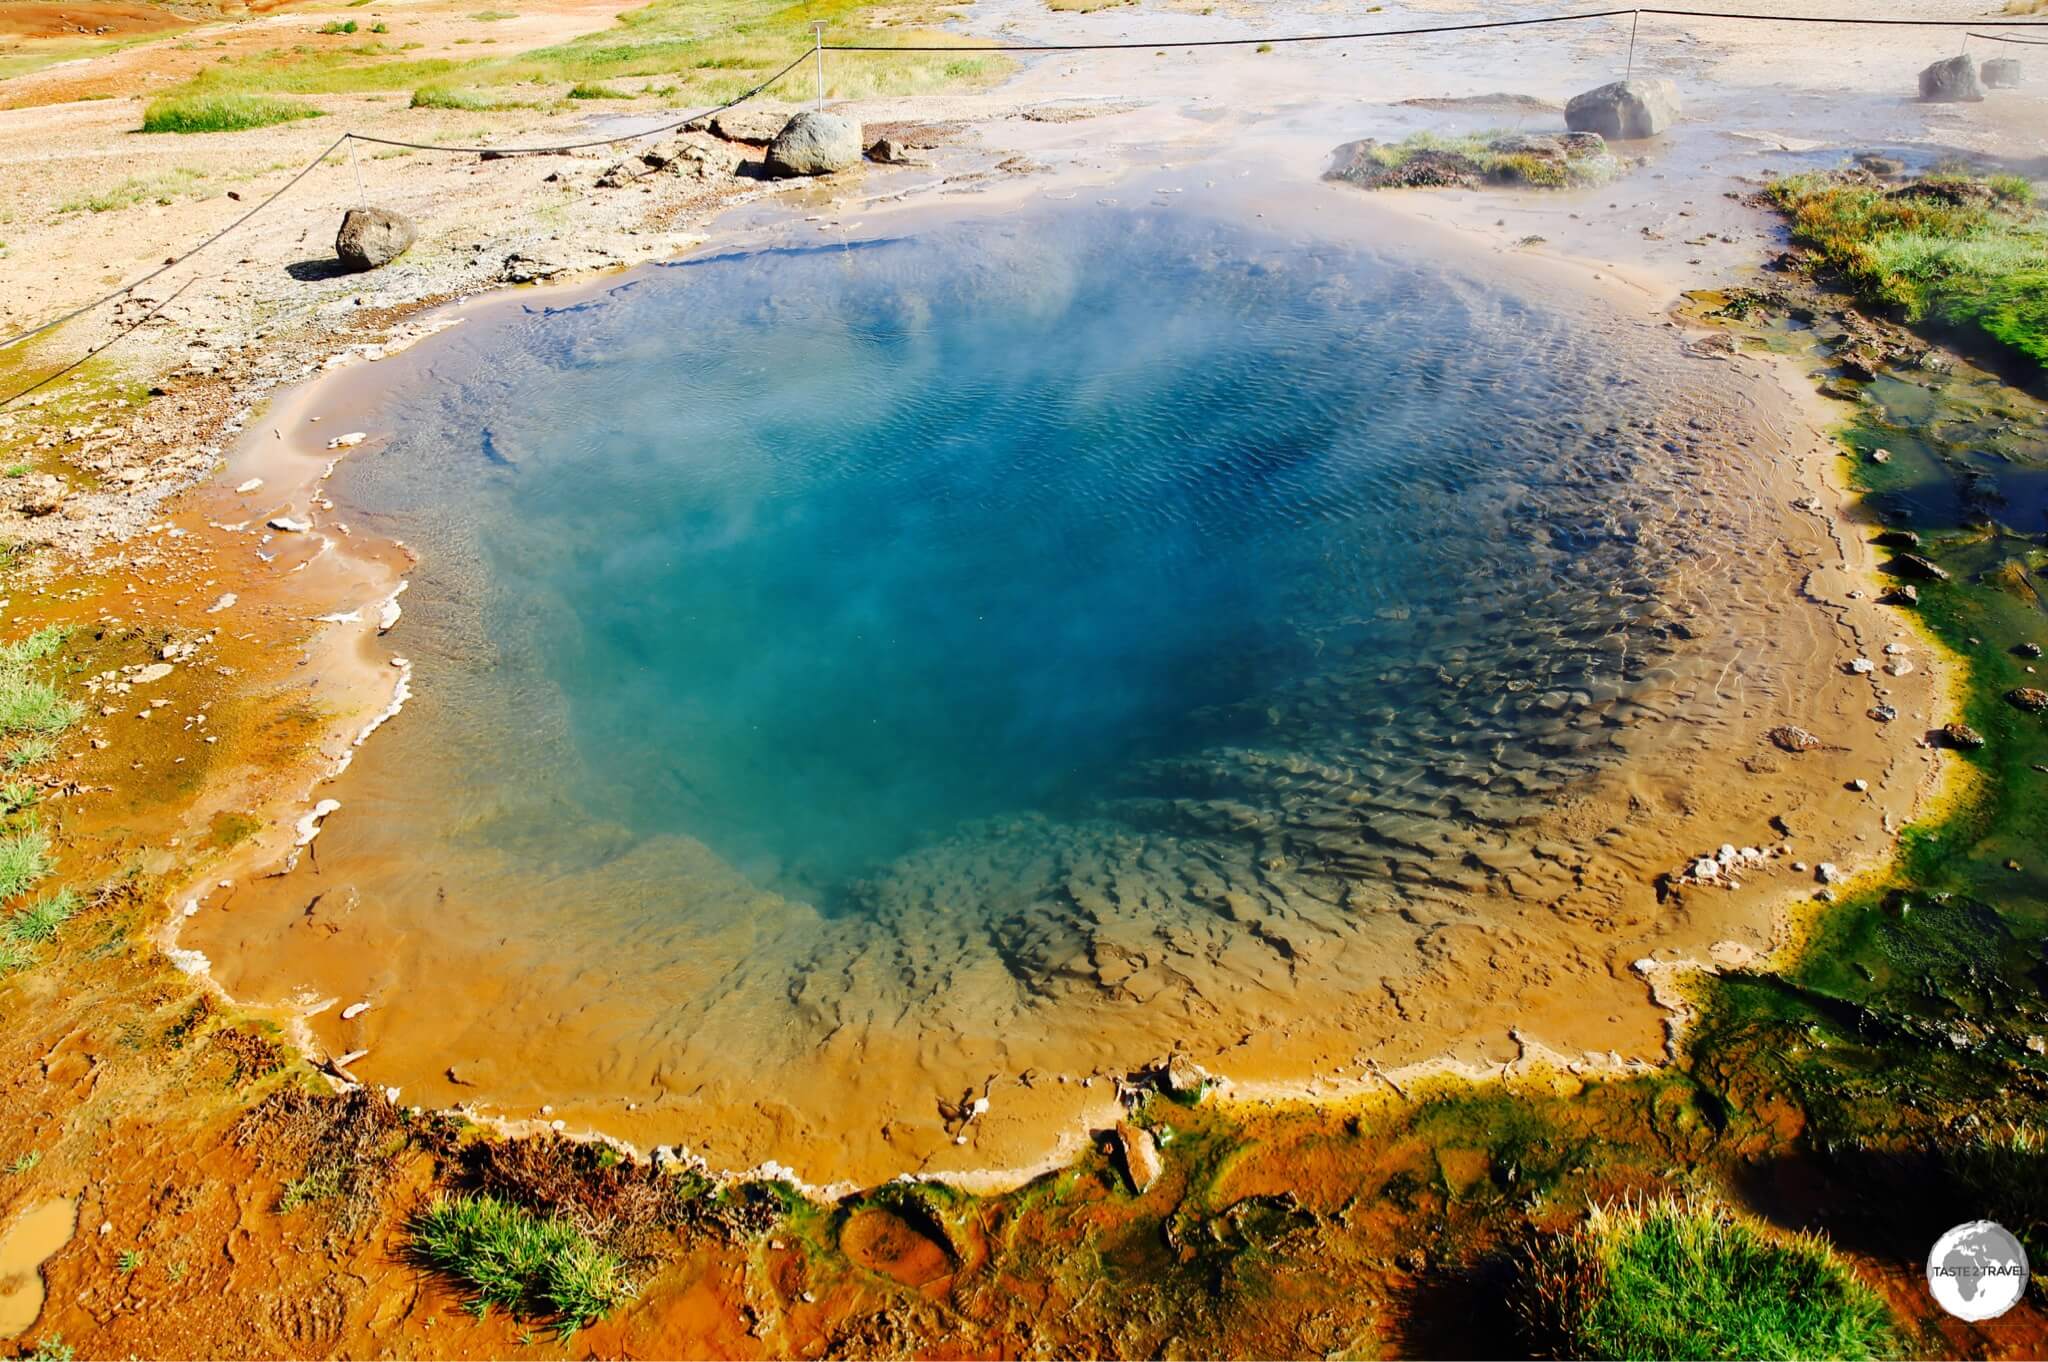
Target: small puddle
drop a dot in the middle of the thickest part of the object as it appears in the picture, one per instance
(29, 1243)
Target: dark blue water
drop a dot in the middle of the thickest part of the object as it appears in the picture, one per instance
(1128, 518)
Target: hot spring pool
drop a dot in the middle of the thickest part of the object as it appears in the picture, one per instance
(946, 650)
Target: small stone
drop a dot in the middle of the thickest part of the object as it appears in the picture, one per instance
(1884, 714)
(348, 441)
(1793, 738)
(1862, 666)
(2028, 650)
(1880, 456)
(287, 525)
(354, 1010)
(1859, 785)
(1826, 873)
(250, 486)
(2028, 698)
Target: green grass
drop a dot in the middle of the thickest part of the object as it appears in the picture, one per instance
(31, 751)
(1687, 1279)
(24, 860)
(473, 101)
(529, 1264)
(1973, 253)
(592, 91)
(311, 1189)
(714, 48)
(32, 710)
(338, 26)
(163, 186)
(219, 112)
(40, 921)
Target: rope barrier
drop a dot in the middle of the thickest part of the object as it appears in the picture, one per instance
(1419, 32)
(2005, 38)
(177, 260)
(567, 147)
(352, 137)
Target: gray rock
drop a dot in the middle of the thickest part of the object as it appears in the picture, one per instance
(2004, 73)
(756, 126)
(889, 151)
(1624, 110)
(814, 143)
(370, 237)
(1952, 80)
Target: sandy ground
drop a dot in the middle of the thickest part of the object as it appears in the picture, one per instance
(261, 312)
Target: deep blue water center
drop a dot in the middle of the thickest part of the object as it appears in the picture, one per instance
(822, 556)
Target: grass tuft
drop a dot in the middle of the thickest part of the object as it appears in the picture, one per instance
(1953, 248)
(592, 90)
(211, 112)
(1685, 1278)
(471, 101)
(24, 860)
(40, 921)
(529, 1264)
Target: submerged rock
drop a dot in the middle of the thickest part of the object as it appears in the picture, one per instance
(814, 143)
(1625, 109)
(1962, 737)
(2029, 698)
(1142, 1163)
(1793, 738)
(1913, 565)
(1952, 80)
(370, 237)
(2004, 73)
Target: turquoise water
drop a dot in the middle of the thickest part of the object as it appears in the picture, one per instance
(865, 563)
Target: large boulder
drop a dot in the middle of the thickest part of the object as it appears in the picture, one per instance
(2004, 73)
(1624, 110)
(1952, 80)
(814, 143)
(370, 237)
